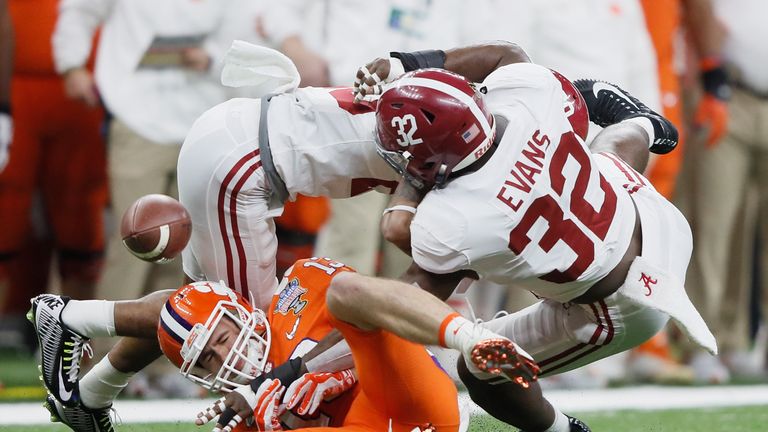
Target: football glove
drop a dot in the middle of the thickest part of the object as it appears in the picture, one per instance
(305, 394)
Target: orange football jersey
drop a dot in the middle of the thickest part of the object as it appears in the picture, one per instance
(299, 319)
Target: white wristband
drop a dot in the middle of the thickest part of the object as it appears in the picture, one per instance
(409, 209)
(396, 69)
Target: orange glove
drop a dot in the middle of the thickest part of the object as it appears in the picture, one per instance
(712, 112)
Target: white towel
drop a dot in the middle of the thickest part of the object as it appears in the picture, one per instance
(264, 69)
(649, 286)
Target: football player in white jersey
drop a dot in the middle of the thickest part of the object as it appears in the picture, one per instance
(499, 184)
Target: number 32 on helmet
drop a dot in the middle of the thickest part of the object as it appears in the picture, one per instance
(432, 123)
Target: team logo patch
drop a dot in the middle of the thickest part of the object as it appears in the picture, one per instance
(647, 280)
(290, 299)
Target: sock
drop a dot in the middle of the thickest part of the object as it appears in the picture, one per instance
(646, 124)
(101, 385)
(561, 423)
(461, 334)
(90, 318)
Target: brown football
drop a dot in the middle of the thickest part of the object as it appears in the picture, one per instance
(156, 228)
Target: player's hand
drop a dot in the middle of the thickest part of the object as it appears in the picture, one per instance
(372, 77)
(712, 115)
(6, 136)
(79, 85)
(240, 404)
(269, 408)
(196, 59)
(306, 393)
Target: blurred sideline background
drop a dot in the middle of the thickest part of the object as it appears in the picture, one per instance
(87, 141)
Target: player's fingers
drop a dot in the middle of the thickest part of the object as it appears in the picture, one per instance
(224, 419)
(314, 402)
(267, 399)
(210, 413)
(233, 423)
(295, 393)
(366, 73)
(306, 402)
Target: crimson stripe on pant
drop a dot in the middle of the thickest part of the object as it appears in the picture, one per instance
(602, 324)
(233, 214)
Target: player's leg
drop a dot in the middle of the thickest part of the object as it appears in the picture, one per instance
(222, 184)
(64, 326)
(17, 183)
(631, 128)
(415, 315)
(75, 192)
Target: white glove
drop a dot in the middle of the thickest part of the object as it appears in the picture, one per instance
(371, 78)
(6, 135)
(268, 408)
(313, 388)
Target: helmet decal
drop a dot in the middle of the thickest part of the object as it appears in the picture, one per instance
(430, 124)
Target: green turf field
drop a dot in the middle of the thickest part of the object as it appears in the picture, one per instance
(739, 419)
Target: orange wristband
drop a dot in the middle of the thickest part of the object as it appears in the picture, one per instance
(443, 325)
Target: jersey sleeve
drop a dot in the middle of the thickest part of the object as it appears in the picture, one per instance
(437, 234)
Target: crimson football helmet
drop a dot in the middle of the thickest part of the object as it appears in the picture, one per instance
(189, 318)
(430, 124)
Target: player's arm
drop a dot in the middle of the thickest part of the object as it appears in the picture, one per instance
(707, 36)
(397, 217)
(439, 285)
(475, 62)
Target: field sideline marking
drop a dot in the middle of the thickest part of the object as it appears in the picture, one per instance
(638, 398)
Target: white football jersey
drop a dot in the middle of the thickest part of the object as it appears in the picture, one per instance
(539, 213)
(323, 144)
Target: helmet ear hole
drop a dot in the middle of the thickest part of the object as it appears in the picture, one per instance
(429, 116)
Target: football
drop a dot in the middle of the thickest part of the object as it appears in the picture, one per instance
(156, 228)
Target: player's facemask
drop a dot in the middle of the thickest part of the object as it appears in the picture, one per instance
(399, 162)
(247, 358)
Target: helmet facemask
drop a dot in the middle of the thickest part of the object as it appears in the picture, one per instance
(247, 357)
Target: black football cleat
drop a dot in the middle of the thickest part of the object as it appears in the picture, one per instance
(80, 418)
(577, 425)
(61, 348)
(608, 104)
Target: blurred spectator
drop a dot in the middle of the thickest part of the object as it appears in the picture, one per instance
(57, 154)
(730, 198)
(668, 22)
(6, 67)
(329, 40)
(156, 72)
